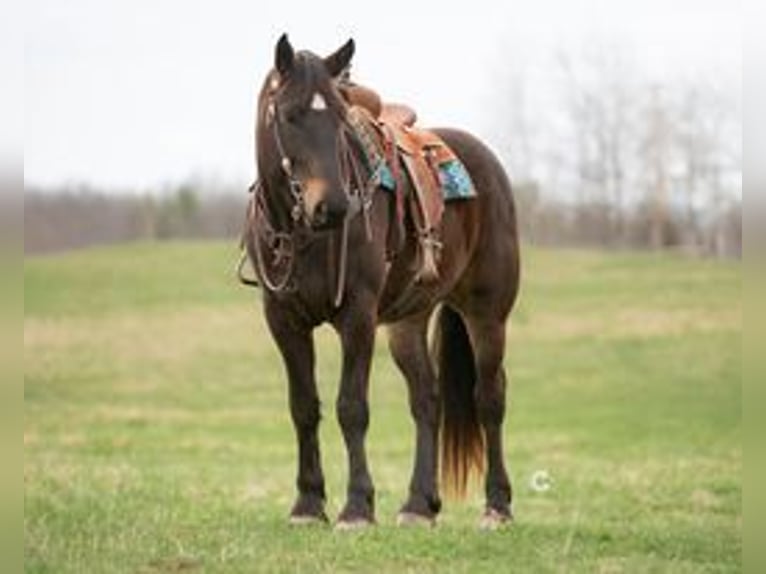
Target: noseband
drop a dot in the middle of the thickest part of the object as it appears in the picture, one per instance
(281, 244)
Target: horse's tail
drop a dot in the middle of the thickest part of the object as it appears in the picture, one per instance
(462, 440)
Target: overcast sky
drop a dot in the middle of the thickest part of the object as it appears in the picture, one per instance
(136, 94)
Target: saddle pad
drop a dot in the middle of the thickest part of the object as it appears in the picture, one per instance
(369, 146)
(454, 179)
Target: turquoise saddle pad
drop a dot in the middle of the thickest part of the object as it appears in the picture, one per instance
(455, 181)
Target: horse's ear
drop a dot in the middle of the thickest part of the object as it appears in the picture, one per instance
(337, 62)
(284, 56)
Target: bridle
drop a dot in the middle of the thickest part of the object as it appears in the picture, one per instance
(282, 245)
(294, 184)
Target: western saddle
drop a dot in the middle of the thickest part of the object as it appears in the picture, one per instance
(421, 152)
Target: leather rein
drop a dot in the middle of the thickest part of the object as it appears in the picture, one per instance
(281, 246)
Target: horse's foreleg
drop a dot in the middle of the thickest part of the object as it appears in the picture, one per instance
(297, 349)
(409, 347)
(356, 326)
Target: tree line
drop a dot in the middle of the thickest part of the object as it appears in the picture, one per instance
(69, 218)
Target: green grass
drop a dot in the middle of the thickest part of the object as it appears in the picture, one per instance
(157, 437)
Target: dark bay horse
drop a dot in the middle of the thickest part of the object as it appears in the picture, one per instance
(319, 247)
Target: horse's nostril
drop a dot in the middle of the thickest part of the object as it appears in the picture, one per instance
(320, 212)
(328, 213)
(338, 209)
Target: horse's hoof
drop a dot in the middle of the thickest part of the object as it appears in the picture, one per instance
(353, 524)
(494, 520)
(406, 519)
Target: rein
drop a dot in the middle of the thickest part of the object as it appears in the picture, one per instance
(281, 246)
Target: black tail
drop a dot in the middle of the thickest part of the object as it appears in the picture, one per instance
(462, 440)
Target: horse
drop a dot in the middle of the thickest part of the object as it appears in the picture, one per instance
(319, 240)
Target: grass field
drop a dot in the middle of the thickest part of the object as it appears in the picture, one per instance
(157, 437)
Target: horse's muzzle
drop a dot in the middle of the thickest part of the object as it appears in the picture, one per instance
(329, 214)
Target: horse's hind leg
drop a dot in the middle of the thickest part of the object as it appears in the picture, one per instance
(488, 341)
(409, 347)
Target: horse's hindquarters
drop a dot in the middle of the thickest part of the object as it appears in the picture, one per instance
(491, 277)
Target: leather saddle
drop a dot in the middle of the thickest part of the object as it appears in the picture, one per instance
(421, 153)
(392, 114)
(397, 115)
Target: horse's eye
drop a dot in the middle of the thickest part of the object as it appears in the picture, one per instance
(295, 115)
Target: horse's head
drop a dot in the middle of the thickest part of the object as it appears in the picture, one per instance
(301, 131)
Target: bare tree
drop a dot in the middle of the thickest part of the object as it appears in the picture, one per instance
(624, 158)
(656, 152)
(598, 98)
